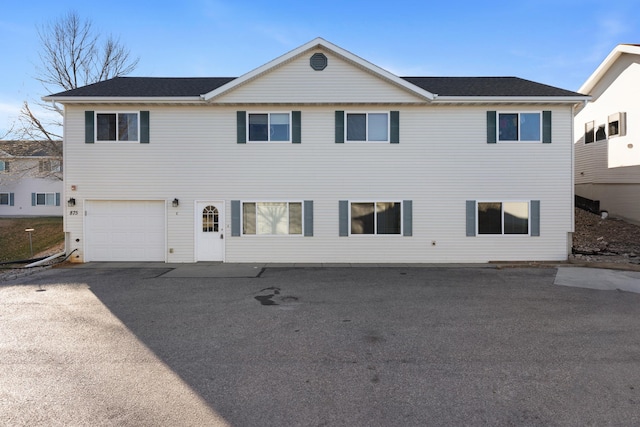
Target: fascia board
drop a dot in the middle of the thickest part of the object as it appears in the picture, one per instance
(122, 100)
(315, 43)
(511, 99)
(602, 69)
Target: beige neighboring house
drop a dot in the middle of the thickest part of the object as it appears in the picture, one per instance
(30, 178)
(318, 156)
(607, 132)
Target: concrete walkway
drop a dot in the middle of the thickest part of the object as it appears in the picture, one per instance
(581, 277)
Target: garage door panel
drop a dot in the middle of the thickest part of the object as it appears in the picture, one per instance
(125, 230)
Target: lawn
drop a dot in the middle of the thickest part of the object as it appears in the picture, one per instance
(14, 240)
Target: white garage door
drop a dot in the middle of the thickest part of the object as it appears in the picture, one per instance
(117, 230)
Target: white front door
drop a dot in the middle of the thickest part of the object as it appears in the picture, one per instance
(209, 231)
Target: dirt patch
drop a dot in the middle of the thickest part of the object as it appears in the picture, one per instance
(608, 240)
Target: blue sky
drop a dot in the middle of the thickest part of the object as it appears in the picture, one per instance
(556, 42)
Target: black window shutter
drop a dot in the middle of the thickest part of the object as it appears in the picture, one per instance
(471, 218)
(491, 127)
(407, 218)
(11, 199)
(339, 127)
(144, 127)
(235, 218)
(546, 127)
(308, 218)
(241, 127)
(296, 127)
(88, 127)
(395, 127)
(343, 216)
(57, 199)
(33, 199)
(535, 218)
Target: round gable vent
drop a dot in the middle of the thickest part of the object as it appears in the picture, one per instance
(318, 61)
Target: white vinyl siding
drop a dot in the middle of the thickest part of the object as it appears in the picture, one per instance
(440, 144)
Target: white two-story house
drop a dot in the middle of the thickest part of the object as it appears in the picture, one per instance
(30, 178)
(318, 156)
(607, 132)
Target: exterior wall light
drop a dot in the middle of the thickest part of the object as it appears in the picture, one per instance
(71, 202)
(175, 203)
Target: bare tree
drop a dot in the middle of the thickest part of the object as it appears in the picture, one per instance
(72, 54)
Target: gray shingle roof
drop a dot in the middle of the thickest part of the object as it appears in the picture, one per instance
(149, 87)
(486, 86)
(196, 86)
(31, 148)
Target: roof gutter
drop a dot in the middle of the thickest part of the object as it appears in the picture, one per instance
(511, 99)
(123, 100)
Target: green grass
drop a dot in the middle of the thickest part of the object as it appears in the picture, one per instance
(14, 241)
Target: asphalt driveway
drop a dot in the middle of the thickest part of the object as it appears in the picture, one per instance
(317, 346)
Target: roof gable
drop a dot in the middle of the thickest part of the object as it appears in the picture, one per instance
(320, 45)
(607, 64)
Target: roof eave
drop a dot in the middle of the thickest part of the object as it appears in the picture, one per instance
(123, 100)
(511, 99)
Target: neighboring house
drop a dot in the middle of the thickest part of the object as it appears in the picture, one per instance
(30, 178)
(607, 132)
(318, 156)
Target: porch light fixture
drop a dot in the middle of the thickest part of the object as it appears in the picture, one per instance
(175, 203)
(71, 202)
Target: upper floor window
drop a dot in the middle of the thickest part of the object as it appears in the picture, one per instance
(367, 127)
(519, 127)
(601, 133)
(4, 199)
(265, 127)
(117, 127)
(4, 166)
(617, 124)
(589, 132)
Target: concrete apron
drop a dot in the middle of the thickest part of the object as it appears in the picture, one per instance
(596, 278)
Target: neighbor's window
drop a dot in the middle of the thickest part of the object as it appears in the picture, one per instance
(601, 134)
(117, 127)
(265, 127)
(617, 124)
(272, 218)
(376, 217)
(4, 166)
(367, 127)
(50, 166)
(4, 199)
(45, 199)
(589, 132)
(519, 127)
(503, 217)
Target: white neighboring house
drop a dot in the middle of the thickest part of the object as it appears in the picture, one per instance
(607, 131)
(318, 156)
(31, 178)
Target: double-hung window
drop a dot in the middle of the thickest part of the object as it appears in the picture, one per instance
(117, 127)
(45, 199)
(378, 126)
(375, 217)
(363, 127)
(285, 126)
(272, 218)
(122, 126)
(269, 127)
(503, 217)
(519, 126)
